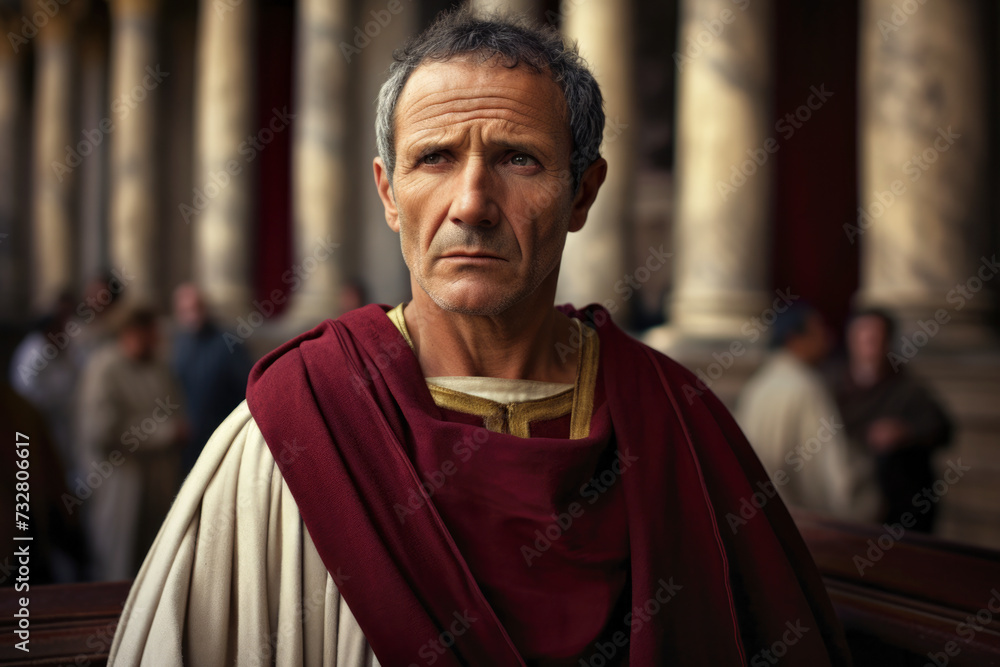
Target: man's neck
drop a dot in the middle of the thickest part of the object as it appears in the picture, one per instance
(522, 343)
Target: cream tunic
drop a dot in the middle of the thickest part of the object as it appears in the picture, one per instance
(233, 577)
(793, 424)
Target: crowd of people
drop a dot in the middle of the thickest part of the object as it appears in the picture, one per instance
(118, 416)
(853, 438)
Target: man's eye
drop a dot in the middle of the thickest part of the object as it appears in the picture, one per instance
(522, 160)
(432, 158)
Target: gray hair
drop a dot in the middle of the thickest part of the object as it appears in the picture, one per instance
(512, 41)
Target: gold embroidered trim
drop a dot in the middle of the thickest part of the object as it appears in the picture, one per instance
(520, 415)
(586, 380)
(516, 418)
(494, 414)
(396, 315)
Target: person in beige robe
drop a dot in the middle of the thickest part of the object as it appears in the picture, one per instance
(130, 427)
(791, 419)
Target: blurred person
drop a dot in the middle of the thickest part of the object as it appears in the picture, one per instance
(96, 312)
(130, 433)
(476, 477)
(790, 418)
(212, 373)
(44, 369)
(892, 415)
(47, 514)
(353, 295)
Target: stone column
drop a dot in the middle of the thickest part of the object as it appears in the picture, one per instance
(384, 273)
(14, 229)
(595, 257)
(319, 154)
(922, 222)
(58, 154)
(723, 206)
(132, 174)
(222, 204)
(526, 7)
(93, 247)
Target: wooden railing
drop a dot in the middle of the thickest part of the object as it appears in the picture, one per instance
(908, 599)
(70, 624)
(903, 599)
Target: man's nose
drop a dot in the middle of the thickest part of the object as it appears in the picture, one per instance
(475, 196)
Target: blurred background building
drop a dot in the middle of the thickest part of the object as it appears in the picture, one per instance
(760, 152)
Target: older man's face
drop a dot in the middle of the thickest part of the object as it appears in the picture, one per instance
(481, 194)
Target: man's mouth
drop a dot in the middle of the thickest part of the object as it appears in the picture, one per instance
(469, 254)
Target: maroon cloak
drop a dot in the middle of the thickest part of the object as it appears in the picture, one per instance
(353, 428)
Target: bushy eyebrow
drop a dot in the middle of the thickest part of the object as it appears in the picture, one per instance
(508, 143)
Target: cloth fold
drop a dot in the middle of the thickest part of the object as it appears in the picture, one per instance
(349, 400)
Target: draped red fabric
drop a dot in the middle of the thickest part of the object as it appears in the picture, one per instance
(663, 574)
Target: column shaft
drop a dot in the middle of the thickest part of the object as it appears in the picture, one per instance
(13, 225)
(223, 197)
(722, 220)
(319, 151)
(93, 247)
(133, 178)
(526, 7)
(54, 163)
(924, 164)
(595, 257)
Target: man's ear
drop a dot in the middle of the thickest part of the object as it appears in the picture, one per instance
(384, 187)
(590, 183)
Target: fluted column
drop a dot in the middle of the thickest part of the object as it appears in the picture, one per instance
(319, 155)
(134, 184)
(55, 161)
(723, 205)
(13, 227)
(595, 257)
(923, 224)
(222, 207)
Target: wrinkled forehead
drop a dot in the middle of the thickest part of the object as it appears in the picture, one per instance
(467, 88)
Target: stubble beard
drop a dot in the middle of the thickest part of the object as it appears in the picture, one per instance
(501, 300)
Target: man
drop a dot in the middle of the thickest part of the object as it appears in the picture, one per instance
(790, 418)
(130, 434)
(213, 375)
(893, 416)
(478, 477)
